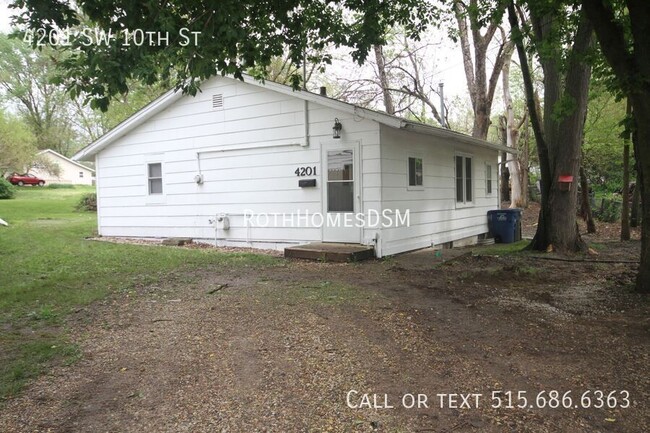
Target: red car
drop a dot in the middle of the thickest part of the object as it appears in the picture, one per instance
(25, 179)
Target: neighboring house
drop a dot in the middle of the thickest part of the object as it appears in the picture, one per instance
(69, 171)
(242, 163)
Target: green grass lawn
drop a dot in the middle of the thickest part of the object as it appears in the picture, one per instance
(48, 269)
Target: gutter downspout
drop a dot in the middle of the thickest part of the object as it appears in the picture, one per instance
(306, 120)
(305, 103)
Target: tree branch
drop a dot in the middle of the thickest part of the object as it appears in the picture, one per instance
(611, 36)
(465, 48)
(528, 82)
(505, 54)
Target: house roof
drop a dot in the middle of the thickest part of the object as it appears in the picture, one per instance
(58, 155)
(173, 95)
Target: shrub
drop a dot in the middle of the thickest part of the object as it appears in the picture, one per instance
(60, 186)
(7, 190)
(88, 202)
(608, 210)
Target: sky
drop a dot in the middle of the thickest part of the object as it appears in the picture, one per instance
(5, 12)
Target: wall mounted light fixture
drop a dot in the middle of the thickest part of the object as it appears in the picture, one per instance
(336, 129)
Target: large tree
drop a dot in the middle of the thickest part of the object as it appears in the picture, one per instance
(17, 149)
(401, 80)
(518, 174)
(26, 84)
(623, 31)
(561, 36)
(477, 27)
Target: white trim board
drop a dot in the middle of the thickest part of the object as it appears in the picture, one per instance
(167, 99)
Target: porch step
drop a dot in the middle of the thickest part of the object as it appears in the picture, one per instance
(330, 252)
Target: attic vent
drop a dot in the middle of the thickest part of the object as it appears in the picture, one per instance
(217, 101)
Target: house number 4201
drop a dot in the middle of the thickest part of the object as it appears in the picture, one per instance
(305, 171)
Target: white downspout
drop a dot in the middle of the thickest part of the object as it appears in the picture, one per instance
(306, 120)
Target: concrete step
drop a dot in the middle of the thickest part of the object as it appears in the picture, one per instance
(330, 252)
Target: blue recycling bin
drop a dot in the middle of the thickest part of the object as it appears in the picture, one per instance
(505, 225)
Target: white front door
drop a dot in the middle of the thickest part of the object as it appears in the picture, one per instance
(341, 192)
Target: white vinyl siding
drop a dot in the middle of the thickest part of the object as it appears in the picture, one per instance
(435, 217)
(247, 153)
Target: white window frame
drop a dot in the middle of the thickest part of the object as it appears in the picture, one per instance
(81, 175)
(410, 187)
(150, 178)
(489, 168)
(154, 198)
(465, 202)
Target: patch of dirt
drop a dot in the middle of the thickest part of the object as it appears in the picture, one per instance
(280, 349)
(191, 245)
(604, 231)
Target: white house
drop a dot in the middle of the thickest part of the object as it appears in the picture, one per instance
(69, 171)
(252, 164)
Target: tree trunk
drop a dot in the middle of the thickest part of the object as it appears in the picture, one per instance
(626, 50)
(636, 205)
(641, 143)
(512, 141)
(585, 206)
(560, 139)
(383, 79)
(516, 197)
(524, 157)
(625, 211)
(481, 88)
(481, 125)
(505, 178)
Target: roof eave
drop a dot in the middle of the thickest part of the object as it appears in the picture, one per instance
(446, 133)
(54, 152)
(130, 123)
(88, 152)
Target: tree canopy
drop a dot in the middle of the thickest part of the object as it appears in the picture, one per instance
(17, 149)
(26, 84)
(200, 37)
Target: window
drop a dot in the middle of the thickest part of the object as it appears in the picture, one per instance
(154, 172)
(415, 171)
(488, 179)
(340, 181)
(81, 174)
(464, 179)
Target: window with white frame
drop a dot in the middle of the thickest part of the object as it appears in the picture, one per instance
(81, 174)
(415, 171)
(488, 179)
(154, 173)
(464, 181)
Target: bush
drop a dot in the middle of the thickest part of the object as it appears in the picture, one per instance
(7, 190)
(60, 186)
(88, 202)
(608, 210)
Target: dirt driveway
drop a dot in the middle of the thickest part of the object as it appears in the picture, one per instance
(291, 348)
